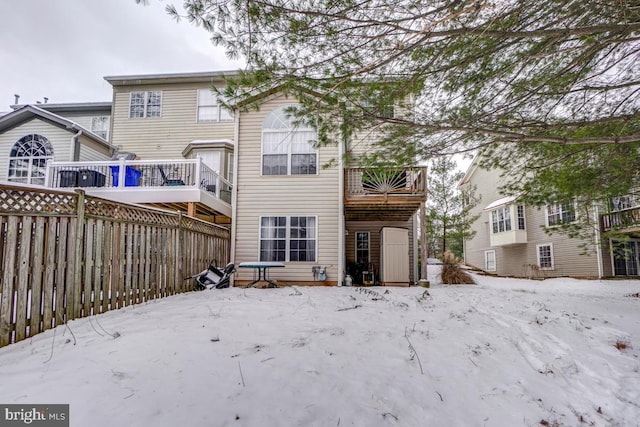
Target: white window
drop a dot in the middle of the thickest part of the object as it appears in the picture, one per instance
(490, 260)
(28, 159)
(100, 126)
(290, 239)
(145, 104)
(560, 214)
(520, 217)
(501, 220)
(545, 256)
(209, 108)
(287, 147)
(230, 167)
(362, 247)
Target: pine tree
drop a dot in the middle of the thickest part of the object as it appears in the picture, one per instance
(448, 216)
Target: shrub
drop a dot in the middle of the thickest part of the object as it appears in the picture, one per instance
(452, 273)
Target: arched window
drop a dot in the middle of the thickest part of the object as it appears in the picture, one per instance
(287, 146)
(28, 159)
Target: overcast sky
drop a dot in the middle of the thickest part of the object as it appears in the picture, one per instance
(62, 49)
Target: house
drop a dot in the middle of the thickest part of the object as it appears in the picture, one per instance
(31, 135)
(262, 176)
(510, 237)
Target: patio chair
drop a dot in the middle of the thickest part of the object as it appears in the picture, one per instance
(169, 181)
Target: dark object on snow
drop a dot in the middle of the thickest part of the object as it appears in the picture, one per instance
(213, 277)
(452, 274)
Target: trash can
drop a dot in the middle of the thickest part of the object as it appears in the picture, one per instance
(131, 176)
(68, 178)
(90, 178)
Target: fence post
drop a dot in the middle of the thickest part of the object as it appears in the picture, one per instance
(179, 251)
(75, 297)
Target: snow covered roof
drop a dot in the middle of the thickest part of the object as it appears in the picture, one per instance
(500, 202)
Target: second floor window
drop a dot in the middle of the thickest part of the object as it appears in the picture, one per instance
(145, 104)
(287, 147)
(209, 108)
(100, 126)
(501, 220)
(560, 214)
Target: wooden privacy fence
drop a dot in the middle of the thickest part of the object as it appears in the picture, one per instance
(65, 255)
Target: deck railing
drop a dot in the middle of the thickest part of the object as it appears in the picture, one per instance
(410, 180)
(138, 174)
(621, 219)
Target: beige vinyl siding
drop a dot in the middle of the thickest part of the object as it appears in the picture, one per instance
(83, 119)
(374, 227)
(522, 259)
(166, 136)
(90, 150)
(289, 195)
(59, 138)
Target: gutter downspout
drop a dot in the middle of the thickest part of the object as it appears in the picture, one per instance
(341, 225)
(234, 192)
(75, 146)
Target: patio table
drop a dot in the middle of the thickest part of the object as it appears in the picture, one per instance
(261, 271)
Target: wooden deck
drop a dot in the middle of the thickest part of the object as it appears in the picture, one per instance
(392, 194)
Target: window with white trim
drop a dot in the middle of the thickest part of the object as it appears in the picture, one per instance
(363, 255)
(28, 159)
(100, 126)
(545, 256)
(230, 167)
(287, 147)
(490, 260)
(145, 104)
(209, 108)
(520, 217)
(560, 214)
(288, 239)
(501, 220)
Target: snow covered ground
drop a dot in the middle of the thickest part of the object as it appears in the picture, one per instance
(504, 353)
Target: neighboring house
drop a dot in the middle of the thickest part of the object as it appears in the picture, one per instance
(264, 176)
(32, 135)
(510, 237)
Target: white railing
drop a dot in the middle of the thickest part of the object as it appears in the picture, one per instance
(138, 174)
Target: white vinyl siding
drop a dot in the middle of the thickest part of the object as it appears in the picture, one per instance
(145, 104)
(545, 256)
(167, 136)
(293, 195)
(209, 108)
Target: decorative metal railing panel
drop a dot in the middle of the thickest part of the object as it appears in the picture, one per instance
(409, 180)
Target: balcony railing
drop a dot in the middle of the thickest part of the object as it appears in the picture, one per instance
(619, 220)
(138, 175)
(405, 181)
